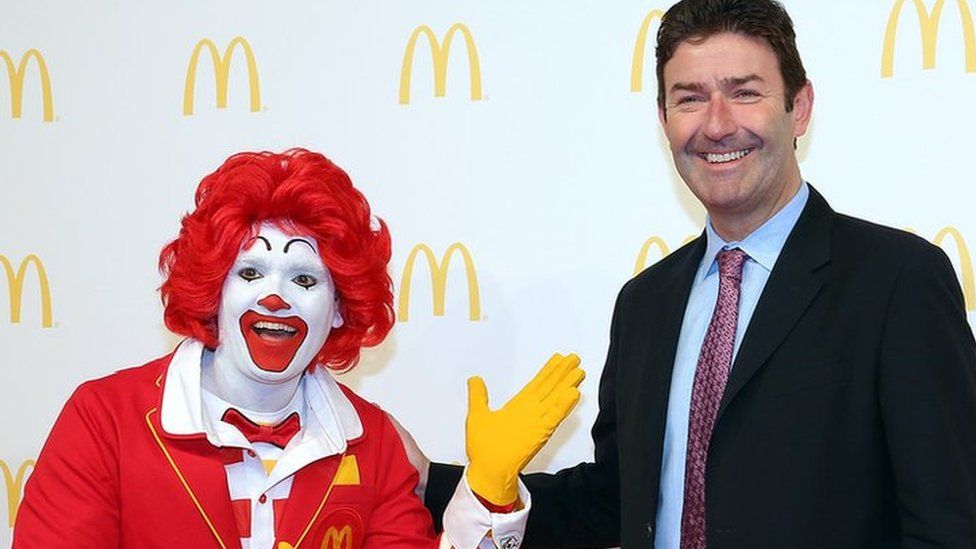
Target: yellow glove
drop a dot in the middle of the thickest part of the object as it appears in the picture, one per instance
(501, 443)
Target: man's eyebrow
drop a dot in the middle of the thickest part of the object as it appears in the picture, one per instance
(266, 243)
(688, 86)
(292, 241)
(736, 81)
(730, 82)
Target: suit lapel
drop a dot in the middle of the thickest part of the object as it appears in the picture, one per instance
(795, 281)
(199, 468)
(670, 299)
(662, 313)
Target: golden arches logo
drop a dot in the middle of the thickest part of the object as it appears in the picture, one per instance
(440, 52)
(221, 67)
(929, 24)
(15, 287)
(661, 245)
(15, 487)
(16, 73)
(438, 279)
(640, 47)
(338, 539)
(965, 263)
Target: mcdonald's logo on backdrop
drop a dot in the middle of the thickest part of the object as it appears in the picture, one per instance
(16, 74)
(662, 247)
(338, 539)
(929, 24)
(15, 287)
(961, 250)
(440, 52)
(15, 487)
(221, 67)
(640, 47)
(438, 280)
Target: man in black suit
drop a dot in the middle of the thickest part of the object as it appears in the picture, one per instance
(792, 378)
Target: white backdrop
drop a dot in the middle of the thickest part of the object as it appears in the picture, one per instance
(553, 179)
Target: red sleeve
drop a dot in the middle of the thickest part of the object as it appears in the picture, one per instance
(400, 520)
(71, 498)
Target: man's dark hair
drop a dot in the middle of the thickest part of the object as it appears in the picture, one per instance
(696, 20)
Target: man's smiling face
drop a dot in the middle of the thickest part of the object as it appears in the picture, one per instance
(726, 121)
(277, 305)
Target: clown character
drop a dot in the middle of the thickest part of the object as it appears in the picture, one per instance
(241, 438)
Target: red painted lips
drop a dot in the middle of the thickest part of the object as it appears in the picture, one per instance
(272, 341)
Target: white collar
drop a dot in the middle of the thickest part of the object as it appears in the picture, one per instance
(333, 420)
(221, 433)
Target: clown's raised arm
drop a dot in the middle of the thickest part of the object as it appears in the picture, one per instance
(241, 437)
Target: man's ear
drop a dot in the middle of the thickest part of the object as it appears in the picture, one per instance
(662, 116)
(802, 109)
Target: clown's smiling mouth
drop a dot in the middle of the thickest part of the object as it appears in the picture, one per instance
(272, 341)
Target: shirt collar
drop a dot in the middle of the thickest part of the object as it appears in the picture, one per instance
(329, 418)
(762, 245)
(221, 433)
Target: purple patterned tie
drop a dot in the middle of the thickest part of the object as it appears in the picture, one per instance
(710, 377)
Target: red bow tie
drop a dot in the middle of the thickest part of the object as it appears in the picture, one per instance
(279, 434)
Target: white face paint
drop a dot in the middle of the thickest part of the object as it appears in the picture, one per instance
(277, 306)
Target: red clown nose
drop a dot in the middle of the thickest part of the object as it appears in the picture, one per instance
(274, 303)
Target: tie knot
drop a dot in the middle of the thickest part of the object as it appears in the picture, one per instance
(730, 263)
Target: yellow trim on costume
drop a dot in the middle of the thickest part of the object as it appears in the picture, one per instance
(285, 544)
(159, 381)
(268, 465)
(348, 473)
(186, 486)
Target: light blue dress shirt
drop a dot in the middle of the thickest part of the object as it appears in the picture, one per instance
(763, 247)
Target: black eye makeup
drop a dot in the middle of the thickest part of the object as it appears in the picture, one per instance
(249, 273)
(305, 281)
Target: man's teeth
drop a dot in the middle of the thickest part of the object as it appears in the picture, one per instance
(277, 326)
(714, 158)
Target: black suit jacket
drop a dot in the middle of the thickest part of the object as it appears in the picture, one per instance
(849, 418)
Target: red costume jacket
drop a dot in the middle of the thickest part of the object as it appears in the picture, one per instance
(110, 476)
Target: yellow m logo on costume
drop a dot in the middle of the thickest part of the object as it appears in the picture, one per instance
(15, 287)
(929, 23)
(338, 539)
(17, 74)
(438, 279)
(637, 65)
(221, 67)
(15, 486)
(965, 263)
(440, 53)
(661, 245)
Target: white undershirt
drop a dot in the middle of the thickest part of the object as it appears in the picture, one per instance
(251, 481)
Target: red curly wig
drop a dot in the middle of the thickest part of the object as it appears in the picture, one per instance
(300, 190)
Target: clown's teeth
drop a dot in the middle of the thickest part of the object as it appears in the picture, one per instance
(713, 158)
(266, 325)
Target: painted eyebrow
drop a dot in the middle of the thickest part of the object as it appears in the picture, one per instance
(292, 241)
(266, 243)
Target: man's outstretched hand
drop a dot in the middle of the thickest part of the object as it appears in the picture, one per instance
(500, 443)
